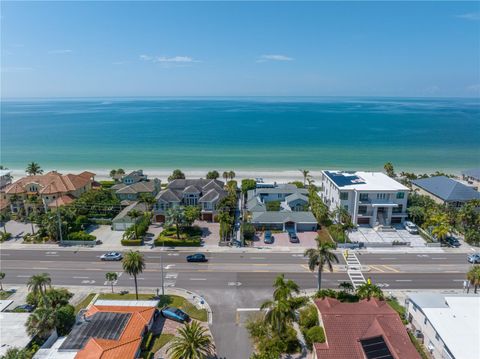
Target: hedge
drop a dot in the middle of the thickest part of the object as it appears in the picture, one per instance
(80, 236)
(132, 242)
(5, 236)
(173, 242)
(315, 335)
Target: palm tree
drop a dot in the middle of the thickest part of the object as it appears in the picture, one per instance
(319, 257)
(113, 173)
(16, 353)
(3, 219)
(226, 175)
(135, 214)
(2, 277)
(368, 291)
(191, 342)
(111, 277)
(41, 322)
(33, 169)
(305, 174)
(231, 175)
(38, 284)
(473, 276)
(120, 171)
(279, 314)
(284, 288)
(175, 216)
(388, 167)
(148, 200)
(134, 264)
(346, 286)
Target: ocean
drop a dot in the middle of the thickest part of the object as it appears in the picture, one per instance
(242, 134)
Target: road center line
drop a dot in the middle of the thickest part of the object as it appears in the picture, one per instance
(257, 257)
(439, 258)
(403, 280)
(23, 276)
(80, 277)
(198, 278)
(388, 258)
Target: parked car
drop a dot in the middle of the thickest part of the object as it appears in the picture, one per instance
(474, 258)
(410, 227)
(197, 257)
(452, 242)
(268, 237)
(111, 256)
(293, 237)
(24, 308)
(175, 314)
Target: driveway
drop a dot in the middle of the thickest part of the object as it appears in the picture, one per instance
(369, 235)
(307, 240)
(109, 238)
(210, 233)
(19, 229)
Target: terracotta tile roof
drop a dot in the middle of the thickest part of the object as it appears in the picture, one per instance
(61, 201)
(130, 339)
(346, 324)
(50, 183)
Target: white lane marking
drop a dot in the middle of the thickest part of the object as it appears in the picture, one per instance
(23, 276)
(173, 254)
(86, 281)
(297, 255)
(171, 275)
(387, 258)
(257, 257)
(439, 258)
(403, 280)
(237, 284)
(80, 277)
(169, 266)
(4, 254)
(52, 255)
(198, 278)
(169, 284)
(154, 257)
(248, 309)
(458, 280)
(39, 268)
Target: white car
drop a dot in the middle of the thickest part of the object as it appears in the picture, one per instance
(111, 256)
(411, 227)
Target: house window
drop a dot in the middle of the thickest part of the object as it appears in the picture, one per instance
(381, 195)
(362, 209)
(398, 209)
(363, 196)
(345, 206)
(437, 337)
(400, 195)
(344, 196)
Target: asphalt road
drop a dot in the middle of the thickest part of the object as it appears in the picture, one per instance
(230, 281)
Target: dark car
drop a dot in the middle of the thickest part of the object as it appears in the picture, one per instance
(175, 314)
(474, 258)
(268, 237)
(24, 308)
(197, 257)
(293, 237)
(452, 242)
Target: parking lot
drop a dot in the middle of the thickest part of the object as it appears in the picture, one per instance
(307, 240)
(369, 235)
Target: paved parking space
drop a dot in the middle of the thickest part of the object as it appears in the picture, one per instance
(369, 235)
(307, 240)
(210, 232)
(19, 229)
(109, 238)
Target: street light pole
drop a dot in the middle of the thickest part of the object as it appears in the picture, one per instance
(161, 266)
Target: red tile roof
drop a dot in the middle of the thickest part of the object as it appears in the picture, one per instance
(346, 324)
(129, 341)
(51, 183)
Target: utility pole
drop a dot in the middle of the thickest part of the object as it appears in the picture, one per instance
(161, 267)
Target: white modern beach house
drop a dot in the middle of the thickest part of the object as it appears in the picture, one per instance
(371, 198)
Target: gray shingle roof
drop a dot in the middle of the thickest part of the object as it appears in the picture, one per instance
(282, 217)
(124, 213)
(138, 187)
(212, 195)
(168, 195)
(447, 189)
(296, 196)
(191, 189)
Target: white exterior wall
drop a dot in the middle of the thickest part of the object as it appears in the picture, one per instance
(433, 343)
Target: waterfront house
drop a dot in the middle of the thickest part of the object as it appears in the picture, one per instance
(201, 192)
(43, 191)
(130, 193)
(371, 198)
(5, 178)
(366, 329)
(447, 324)
(134, 177)
(291, 208)
(444, 190)
(123, 220)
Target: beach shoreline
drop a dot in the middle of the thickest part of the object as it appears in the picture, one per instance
(270, 175)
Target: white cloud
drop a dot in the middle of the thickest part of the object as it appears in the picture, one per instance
(274, 57)
(475, 16)
(60, 52)
(165, 59)
(13, 69)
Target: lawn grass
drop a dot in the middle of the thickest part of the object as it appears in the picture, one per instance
(86, 301)
(5, 295)
(160, 341)
(167, 300)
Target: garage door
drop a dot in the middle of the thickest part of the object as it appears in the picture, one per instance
(160, 218)
(396, 219)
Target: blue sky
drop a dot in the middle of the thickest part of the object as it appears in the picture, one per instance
(73, 49)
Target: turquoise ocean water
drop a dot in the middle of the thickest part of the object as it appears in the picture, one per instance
(242, 133)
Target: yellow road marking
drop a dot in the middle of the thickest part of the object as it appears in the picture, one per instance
(377, 269)
(392, 269)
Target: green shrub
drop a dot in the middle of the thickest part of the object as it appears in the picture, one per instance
(132, 242)
(5, 236)
(308, 317)
(273, 206)
(314, 335)
(248, 231)
(248, 184)
(80, 236)
(107, 184)
(65, 319)
(173, 242)
(147, 341)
